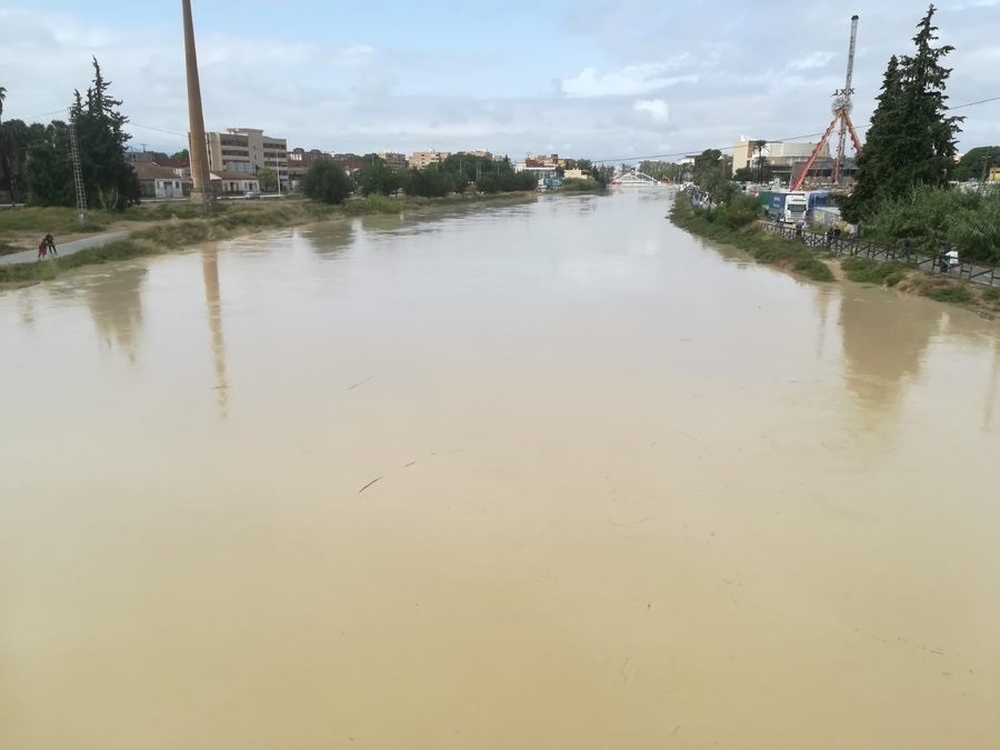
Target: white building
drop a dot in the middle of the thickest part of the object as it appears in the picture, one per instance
(245, 151)
(161, 182)
(780, 154)
(233, 183)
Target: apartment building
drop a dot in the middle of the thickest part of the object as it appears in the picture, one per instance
(299, 161)
(395, 162)
(350, 162)
(423, 159)
(246, 150)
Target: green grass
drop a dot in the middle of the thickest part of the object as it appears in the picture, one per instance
(574, 185)
(172, 210)
(23, 273)
(992, 294)
(55, 220)
(868, 271)
(763, 246)
(372, 204)
(957, 294)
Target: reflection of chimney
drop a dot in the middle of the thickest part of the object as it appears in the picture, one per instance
(210, 272)
(991, 393)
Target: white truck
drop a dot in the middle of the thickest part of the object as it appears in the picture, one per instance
(782, 205)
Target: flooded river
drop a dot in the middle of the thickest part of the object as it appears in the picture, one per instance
(550, 475)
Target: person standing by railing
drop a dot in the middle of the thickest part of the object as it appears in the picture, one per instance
(952, 256)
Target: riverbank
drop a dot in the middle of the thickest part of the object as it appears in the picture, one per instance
(817, 265)
(765, 248)
(166, 227)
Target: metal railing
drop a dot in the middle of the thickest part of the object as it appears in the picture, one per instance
(853, 246)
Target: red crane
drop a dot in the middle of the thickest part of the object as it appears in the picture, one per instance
(842, 107)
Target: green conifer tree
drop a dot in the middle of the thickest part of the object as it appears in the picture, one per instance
(911, 141)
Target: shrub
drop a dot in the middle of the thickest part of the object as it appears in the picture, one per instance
(955, 293)
(867, 271)
(932, 217)
(574, 185)
(327, 182)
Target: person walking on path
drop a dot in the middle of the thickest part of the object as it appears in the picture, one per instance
(943, 260)
(50, 243)
(905, 251)
(42, 249)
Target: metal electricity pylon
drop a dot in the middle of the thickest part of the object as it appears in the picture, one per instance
(81, 191)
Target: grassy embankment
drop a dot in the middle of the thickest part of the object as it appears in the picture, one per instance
(169, 227)
(16, 223)
(731, 229)
(984, 299)
(174, 226)
(765, 247)
(574, 185)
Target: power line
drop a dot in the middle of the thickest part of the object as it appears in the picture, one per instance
(157, 130)
(973, 104)
(689, 152)
(64, 110)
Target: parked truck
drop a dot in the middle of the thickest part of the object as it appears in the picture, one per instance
(784, 205)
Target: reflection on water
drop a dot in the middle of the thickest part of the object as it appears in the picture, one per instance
(884, 339)
(330, 240)
(115, 302)
(551, 475)
(992, 389)
(26, 309)
(210, 274)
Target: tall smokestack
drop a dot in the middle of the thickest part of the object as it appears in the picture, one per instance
(198, 154)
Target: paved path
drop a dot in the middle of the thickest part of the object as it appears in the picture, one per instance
(67, 248)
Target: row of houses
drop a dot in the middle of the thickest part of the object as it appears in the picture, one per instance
(236, 156)
(160, 181)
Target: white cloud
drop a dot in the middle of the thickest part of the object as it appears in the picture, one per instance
(629, 81)
(812, 61)
(657, 109)
(354, 94)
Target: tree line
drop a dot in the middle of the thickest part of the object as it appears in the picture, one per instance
(328, 181)
(36, 163)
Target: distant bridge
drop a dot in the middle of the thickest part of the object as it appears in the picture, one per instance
(635, 179)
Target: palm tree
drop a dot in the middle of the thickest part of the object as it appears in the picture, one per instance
(3, 144)
(759, 147)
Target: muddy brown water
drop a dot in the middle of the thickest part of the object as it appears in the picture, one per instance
(540, 476)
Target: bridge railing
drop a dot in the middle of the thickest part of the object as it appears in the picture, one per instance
(853, 246)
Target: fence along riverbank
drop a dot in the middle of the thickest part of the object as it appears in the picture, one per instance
(974, 273)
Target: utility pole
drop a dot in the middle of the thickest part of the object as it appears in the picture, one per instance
(199, 152)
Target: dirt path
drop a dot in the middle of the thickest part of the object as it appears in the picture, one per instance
(835, 269)
(66, 248)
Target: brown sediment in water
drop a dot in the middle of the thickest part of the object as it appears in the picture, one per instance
(630, 491)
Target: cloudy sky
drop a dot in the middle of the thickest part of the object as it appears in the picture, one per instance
(604, 79)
